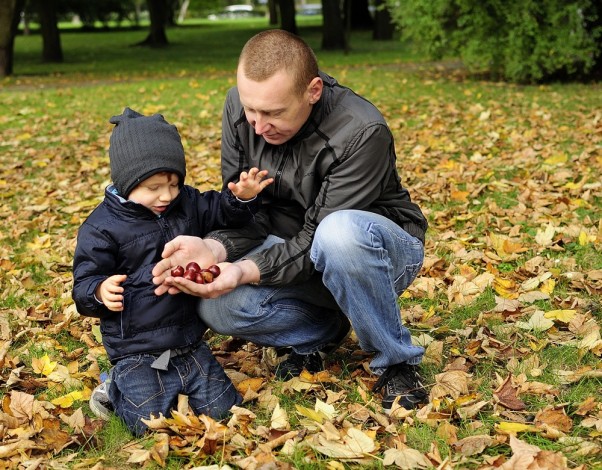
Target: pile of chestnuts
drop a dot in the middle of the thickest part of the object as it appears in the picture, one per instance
(194, 273)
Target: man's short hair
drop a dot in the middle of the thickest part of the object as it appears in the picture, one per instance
(273, 50)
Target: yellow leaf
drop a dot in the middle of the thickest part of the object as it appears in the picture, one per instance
(459, 195)
(316, 416)
(547, 287)
(563, 316)
(505, 288)
(254, 384)
(66, 401)
(43, 365)
(584, 238)
(514, 428)
(557, 159)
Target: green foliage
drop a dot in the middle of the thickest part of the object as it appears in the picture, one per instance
(519, 41)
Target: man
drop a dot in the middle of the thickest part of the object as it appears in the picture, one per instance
(337, 231)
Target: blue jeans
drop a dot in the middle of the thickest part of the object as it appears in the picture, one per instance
(137, 390)
(364, 262)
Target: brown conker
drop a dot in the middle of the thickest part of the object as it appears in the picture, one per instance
(190, 274)
(193, 266)
(178, 271)
(215, 270)
(207, 276)
(198, 278)
(194, 273)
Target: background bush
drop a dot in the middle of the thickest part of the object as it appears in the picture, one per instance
(523, 41)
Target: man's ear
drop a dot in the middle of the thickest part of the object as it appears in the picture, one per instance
(315, 90)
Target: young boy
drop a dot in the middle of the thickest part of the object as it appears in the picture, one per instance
(154, 342)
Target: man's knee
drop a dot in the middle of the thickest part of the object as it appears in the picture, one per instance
(337, 228)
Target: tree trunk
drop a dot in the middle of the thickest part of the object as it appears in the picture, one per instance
(333, 32)
(287, 16)
(273, 12)
(51, 37)
(183, 11)
(158, 11)
(383, 23)
(10, 13)
(360, 15)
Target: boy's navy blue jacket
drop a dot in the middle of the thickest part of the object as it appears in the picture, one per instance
(123, 237)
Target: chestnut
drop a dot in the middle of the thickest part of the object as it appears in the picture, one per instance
(193, 266)
(207, 275)
(178, 271)
(198, 278)
(190, 274)
(214, 269)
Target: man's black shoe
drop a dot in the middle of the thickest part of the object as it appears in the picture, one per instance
(403, 381)
(294, 364)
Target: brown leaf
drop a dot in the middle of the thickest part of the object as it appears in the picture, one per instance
(507, 395)
(473, 445)
(451, 383)
(586, 406)
(555, 418)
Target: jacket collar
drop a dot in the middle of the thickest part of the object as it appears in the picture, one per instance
(129, 208)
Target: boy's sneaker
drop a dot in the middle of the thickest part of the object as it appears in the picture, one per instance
(403, 381)
(100, 404)
(294, 364)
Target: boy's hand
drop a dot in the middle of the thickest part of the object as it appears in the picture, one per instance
(109, 292)
(250, 184)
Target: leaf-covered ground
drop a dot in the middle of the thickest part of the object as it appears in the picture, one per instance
(508, 304)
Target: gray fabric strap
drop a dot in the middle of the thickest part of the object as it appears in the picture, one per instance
(162, 361)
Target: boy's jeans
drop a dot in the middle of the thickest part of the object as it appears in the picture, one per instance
(137, 390)
(366, 262)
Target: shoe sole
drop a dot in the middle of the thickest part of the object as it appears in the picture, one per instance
(100, 411)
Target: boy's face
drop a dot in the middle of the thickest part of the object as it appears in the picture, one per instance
(156, 192)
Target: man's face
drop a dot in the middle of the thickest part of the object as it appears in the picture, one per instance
(274, 110)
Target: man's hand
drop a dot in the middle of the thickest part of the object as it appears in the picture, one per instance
(110, 292)
(181, 251)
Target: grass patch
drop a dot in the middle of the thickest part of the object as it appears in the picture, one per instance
(492, 165)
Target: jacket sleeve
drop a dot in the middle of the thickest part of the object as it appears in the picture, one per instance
(240, 241)
(94, 261)
(217, 210)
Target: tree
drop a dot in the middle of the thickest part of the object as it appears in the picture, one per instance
(52, 50)
(287, 16)
(10, 14)
(159, 14)
(383, 23)
(273, 12)
(360, 15)
(523, 41)
(333, 31)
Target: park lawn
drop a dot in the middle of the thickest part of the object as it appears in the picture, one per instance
(508, 304)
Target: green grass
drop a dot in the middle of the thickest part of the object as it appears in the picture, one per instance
(453, 133)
